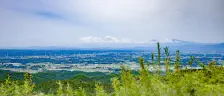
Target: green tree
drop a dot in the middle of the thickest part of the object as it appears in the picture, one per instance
(191, 61)
(167, 59)
(177, 62)
(158, 57)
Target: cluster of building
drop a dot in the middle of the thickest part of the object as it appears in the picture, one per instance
(92, 61)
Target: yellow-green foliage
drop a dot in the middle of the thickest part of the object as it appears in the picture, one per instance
(80, 92)
(158, 57)
(13, 88)
(206, 82)
(100, 91)
(167, 59)
(177, 62)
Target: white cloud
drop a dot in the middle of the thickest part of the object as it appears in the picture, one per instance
(115, 40)
(91, 39)
(106, 39)
(111, 39)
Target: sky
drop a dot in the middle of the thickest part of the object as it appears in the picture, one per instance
(25, 23)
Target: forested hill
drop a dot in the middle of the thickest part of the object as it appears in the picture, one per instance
(54, 75)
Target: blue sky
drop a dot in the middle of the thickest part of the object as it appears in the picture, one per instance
(73, 23)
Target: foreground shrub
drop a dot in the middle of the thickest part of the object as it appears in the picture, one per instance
(188, 82)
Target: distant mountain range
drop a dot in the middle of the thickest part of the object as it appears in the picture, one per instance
(199, 47)
(173, 44)
(186, 46)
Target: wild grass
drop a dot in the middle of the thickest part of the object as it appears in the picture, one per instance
(208, 81)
